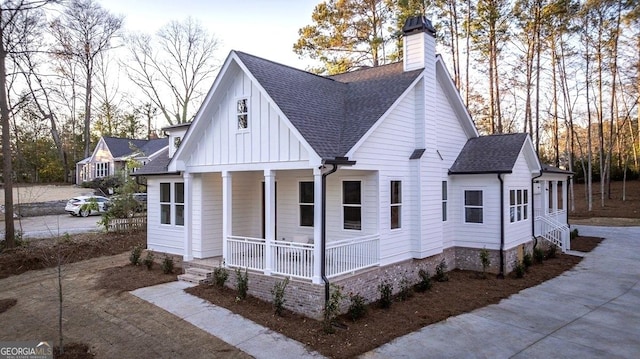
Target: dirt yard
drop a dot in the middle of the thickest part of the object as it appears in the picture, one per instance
(615, 212)
(114, 324)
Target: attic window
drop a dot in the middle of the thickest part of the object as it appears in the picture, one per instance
(242, 110)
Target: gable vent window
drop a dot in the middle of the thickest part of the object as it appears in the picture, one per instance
(242, 111)
(473, 207)
(352, 205)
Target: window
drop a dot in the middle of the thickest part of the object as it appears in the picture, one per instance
(352, 205)
(396, 204)
(306, 204)
(242, 111)
(102, 169)
(176, 142)
(444, 201)
(172, 212)
(473, 206)
(518, 204)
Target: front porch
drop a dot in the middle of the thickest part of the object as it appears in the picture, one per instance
(265, 221)
(550, 210)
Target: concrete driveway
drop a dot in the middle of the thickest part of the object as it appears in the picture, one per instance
(51, 226)
(592, 311)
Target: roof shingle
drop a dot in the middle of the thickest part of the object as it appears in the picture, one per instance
(489, 154)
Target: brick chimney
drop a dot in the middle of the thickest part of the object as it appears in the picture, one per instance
(419, 43)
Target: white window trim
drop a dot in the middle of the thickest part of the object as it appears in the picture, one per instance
(172, 204)
(342, 204)
(300, 204)
(399, 205)
(102, 169)
(445, 201)
(236, 114)
(524, 205)
(464, 206)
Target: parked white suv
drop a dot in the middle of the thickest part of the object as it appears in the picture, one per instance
(74, 206)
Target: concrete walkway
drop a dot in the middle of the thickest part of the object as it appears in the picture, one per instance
(591, 311)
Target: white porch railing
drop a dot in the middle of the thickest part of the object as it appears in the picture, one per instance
(245, 252)
(553, 231)
(558, 216)
(295, 259)
(352, 254)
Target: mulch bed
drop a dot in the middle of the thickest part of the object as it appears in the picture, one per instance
(129, 277)
(584, 244)
(7, 303)
(464, 292)
(44, 253)
(73, 351)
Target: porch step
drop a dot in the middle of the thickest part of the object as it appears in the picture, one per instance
(196, 275)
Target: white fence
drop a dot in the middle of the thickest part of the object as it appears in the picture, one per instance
(295, 259)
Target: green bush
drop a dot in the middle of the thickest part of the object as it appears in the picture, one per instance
(242, 283)
(485, 260)
(441, 271)
(135, 255)
(538, 255)
(148, 260)
(519, 269)
(220, 276)
(405, 288)
(167, 265)
(574, 233)
(386, 289)
(332, 309)
(527, 260)
(552, 251)
(358, 307)
(425, 281)
(278, 292)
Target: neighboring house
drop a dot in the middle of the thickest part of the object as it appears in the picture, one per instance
(390, 153)
(111, 155)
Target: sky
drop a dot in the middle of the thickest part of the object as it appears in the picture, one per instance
(265, 28)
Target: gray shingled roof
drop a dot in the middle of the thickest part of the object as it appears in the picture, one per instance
(489, 154)
(552, 169)
(120, 147)
(332, 113)
(155, 167)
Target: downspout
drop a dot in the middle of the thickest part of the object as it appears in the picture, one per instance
(323, 239)
(533, 212)
(501, 273)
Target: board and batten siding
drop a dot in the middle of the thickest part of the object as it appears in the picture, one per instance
(476, 235)
(518, 232)
(161, 237)
(267, 138)
(206, 232)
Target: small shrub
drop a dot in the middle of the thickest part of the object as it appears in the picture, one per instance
(167, 264)
(242, 283)
(220, 276)
(518, 268)
(574, 233)
(148, 260)
(278, 292)
(386, 289)
(425, 281)
(358, 307)
(135, 255)
(332, 309)
(527, 260)
(405, 288)
(485, 260)
(538, 254)
(441, 271)
(552, 251)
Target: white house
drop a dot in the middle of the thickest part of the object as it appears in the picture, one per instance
(347, 179)
(112, 153)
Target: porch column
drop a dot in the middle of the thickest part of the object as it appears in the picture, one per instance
(227, 201)
(555, 196)
(188, 193)
(544, 202)
(269, 217)
(317, 224)
(565, 195)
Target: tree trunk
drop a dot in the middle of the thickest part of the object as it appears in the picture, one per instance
(87, 115)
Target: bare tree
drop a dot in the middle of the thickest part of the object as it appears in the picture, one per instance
(83, 32)
(172, 71)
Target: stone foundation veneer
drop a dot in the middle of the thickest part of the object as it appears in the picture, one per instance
(308, 299)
